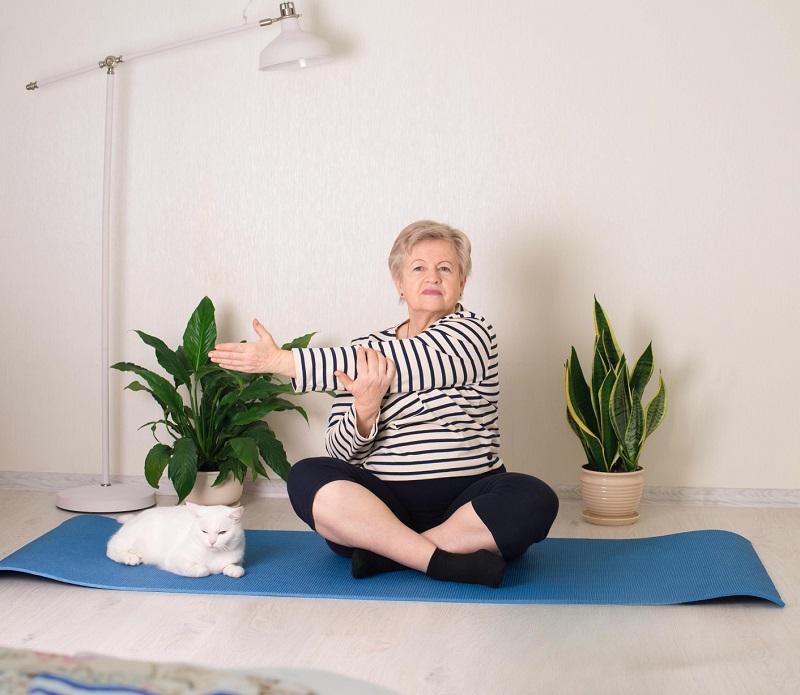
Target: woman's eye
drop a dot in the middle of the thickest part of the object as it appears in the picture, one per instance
(419, 267)
(445, 269)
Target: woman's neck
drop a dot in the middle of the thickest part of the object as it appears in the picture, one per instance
(418, 321)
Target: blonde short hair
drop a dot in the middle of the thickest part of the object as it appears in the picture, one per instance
(424, 230)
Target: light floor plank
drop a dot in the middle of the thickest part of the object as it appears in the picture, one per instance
(419, 648)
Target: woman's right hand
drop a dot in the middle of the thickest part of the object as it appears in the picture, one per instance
(375, 373)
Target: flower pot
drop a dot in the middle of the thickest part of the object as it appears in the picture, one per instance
(611, 499)
(229, 493)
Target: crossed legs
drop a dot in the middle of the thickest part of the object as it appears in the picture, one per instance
(369, 524)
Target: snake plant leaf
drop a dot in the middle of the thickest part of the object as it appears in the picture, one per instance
(301, 342)
(271, 448)
(642, 371)
(577, 431)
(182, 468)
(602, 326)
(657, 408)
(167, 359)
(244, 449)
(597, 461)
(607, 434)
(620, 400)
(599, 371)
(163, 390)
(578, 396)
(200, 334)
(156, 461)
(632, 442)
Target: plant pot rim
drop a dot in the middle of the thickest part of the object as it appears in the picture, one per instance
(586, 468)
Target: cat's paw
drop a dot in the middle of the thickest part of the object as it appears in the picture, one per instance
(195, 570)
(233, 571)
(126, 558)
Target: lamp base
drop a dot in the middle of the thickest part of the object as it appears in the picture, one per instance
(117, 497)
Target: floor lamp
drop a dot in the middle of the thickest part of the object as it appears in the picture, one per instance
(293, 48)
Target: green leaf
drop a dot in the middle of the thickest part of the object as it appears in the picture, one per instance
(137, 386)
(155, 462)
(301, 342)
(200, 335)
(260, 390)
(642, 371)
(599, 371)
(180, 354)
(245, 450)
(163, 391)
(182, 469)
(607, 435)
(167, 359)
(632, 442)
(657, 408)
(577, 430)
(578, 396)
(596, 462)
(270, 447)
(620, 401)
(602, 326)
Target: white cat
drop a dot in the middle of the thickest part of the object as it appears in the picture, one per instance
(191, 540)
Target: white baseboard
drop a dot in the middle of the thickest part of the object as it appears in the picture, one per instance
(54, 482)
(705, 496)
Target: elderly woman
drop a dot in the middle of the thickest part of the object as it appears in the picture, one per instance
(413, 478)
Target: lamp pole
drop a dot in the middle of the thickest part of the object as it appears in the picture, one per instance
(292, 49)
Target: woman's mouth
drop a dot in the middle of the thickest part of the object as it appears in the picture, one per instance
(431, 292)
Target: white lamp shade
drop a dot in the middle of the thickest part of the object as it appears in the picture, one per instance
(294, 48)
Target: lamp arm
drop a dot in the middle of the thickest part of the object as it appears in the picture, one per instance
(104, 64)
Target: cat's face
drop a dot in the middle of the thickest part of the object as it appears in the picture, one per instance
(217, 527)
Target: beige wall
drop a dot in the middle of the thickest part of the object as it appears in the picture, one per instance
(646, 152)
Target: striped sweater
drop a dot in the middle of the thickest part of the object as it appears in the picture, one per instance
(438, 419)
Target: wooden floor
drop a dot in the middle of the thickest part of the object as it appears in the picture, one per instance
(728, 647)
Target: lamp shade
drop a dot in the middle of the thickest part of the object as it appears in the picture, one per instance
(294, 48)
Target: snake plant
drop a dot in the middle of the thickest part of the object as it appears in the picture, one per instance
(608, 417)
(221, 429)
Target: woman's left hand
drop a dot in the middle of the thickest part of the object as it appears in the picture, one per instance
(260, 357)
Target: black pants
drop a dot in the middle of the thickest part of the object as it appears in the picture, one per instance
(518, 509)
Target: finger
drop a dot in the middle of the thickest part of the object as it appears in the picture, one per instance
(361, 361)
(347, 382)
(372, 361)
(226, 356)
(391, 368)
(259, 328)
(231, 347)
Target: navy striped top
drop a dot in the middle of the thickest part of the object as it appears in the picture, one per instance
(440, 416)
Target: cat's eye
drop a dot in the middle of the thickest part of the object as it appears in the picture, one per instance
(221, 532)
(204, 531)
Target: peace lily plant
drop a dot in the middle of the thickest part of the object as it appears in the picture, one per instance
(607, 416)
(221, 429)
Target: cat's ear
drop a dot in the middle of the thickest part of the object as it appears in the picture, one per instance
(236, 513)
(193, 508)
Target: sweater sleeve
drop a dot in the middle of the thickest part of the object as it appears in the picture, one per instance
(456, 351)
(342, 439)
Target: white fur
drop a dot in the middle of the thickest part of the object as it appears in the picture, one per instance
(191, 540)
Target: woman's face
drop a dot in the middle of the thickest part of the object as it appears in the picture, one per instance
(429, 277)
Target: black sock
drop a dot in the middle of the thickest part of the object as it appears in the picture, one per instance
(481, 567)
(366, 563)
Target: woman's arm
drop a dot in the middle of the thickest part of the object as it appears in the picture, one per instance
(457, 351)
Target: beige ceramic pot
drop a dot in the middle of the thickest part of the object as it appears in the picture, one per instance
(611, 499)
(229, 493)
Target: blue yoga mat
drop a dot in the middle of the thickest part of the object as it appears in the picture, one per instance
(677, 568)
